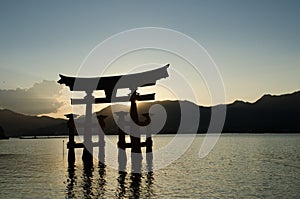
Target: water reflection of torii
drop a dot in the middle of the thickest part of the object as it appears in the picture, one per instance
(110, 85)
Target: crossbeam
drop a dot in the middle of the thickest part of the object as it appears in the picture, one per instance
(117, 99)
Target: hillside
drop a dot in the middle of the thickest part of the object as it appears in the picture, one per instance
(16, 124)
(269, 114)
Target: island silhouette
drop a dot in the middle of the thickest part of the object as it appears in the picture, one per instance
(269, 114)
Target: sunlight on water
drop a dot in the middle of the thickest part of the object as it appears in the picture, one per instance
(240, 166)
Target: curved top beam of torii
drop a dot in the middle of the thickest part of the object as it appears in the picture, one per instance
(135, 80)
(110, 84)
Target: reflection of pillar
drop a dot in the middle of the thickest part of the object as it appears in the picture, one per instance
(71, 143)
(71, 181)
(87, 177)
(135, 137)
(101, 142)
(135, 186)
(122, 159)
(101, 181)
(149, 185)
(87, 155)
(121, 188)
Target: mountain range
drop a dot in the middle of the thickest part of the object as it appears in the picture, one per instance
(16, 124)
(269, 114)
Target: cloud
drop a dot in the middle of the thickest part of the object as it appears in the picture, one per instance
(41, 98)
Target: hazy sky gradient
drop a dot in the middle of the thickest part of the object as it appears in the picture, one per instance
(255, 43)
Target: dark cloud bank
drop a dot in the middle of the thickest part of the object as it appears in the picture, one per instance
(41, 98)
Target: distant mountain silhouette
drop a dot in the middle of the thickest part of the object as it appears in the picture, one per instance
(269, 114)
(16, 124)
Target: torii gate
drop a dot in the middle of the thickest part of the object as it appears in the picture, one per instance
(110, 85)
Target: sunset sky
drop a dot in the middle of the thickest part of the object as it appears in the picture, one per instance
(255, 44)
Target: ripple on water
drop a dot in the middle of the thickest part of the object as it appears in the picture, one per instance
(240, 166)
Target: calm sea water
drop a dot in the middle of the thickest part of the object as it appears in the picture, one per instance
(240, 166)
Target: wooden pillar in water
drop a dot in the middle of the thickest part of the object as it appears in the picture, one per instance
(101, 142)
(135, 137)
(148, 133)
(87, 155)
(122, 158)
(149, 143)
(71, 143)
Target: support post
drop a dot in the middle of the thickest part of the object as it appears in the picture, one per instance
(71, 143)
(122, 158)
(149, 143)
(101, 142)
(87, 155)
(135, 137)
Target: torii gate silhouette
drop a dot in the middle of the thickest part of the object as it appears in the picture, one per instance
(110, 85)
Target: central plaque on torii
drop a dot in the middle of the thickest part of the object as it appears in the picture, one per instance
(110, 86)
